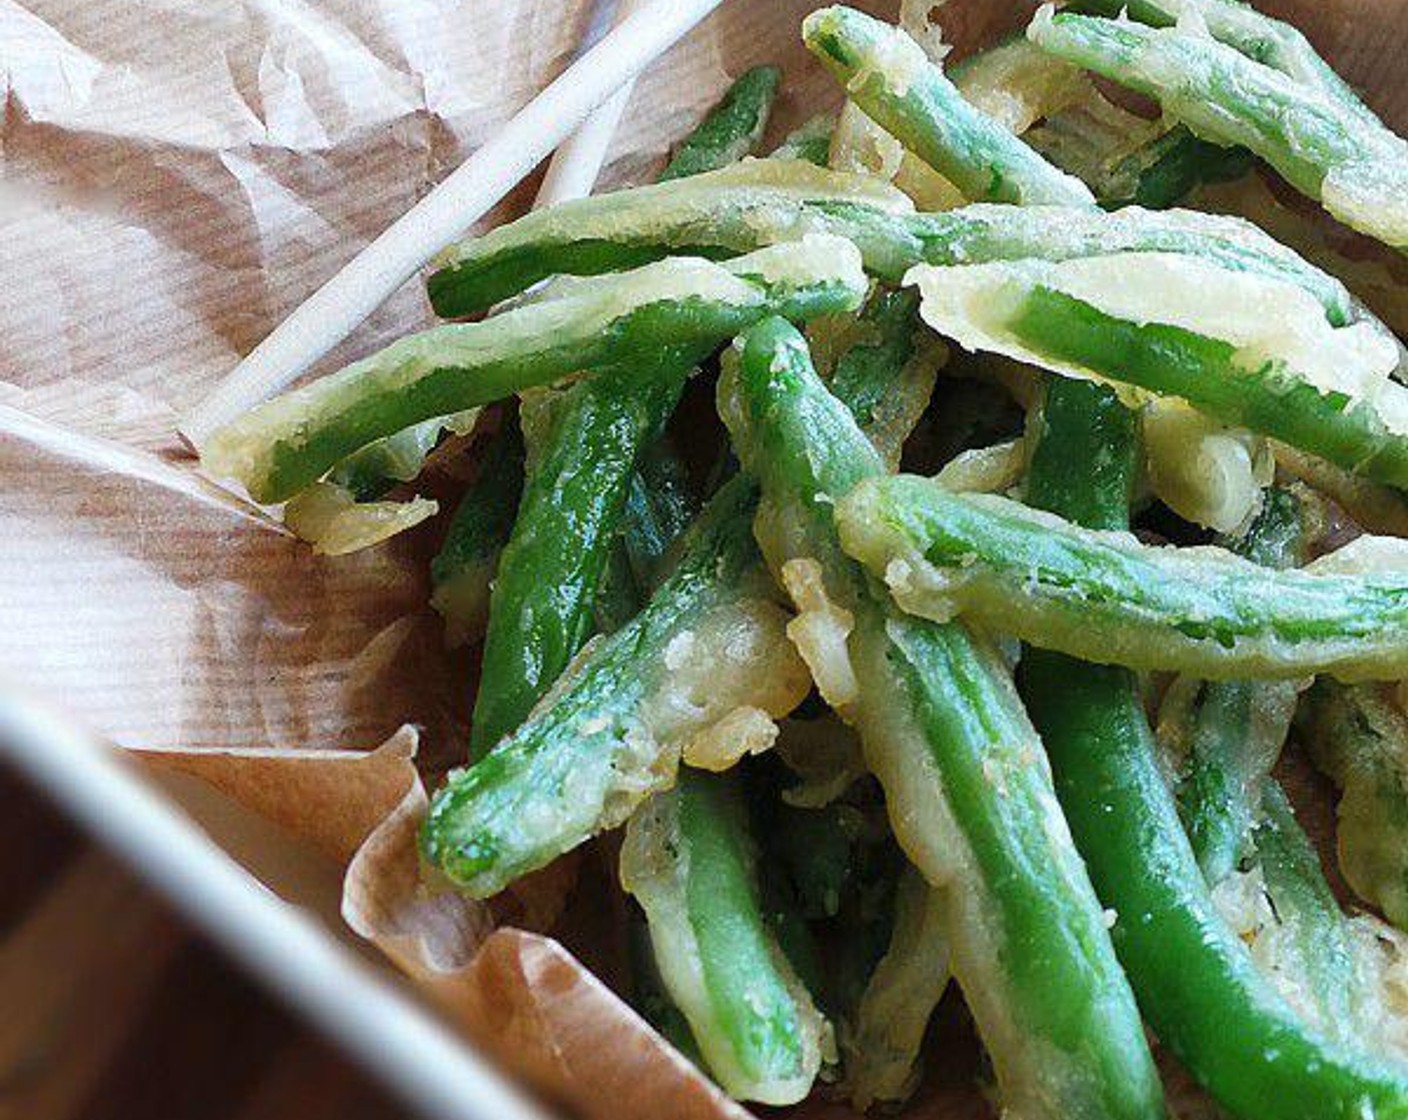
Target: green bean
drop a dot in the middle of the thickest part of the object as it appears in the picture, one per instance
(1236, 729)
(1359, 737)
(682, 307)
(1261, 38)
(886, 73)
(810, 141)
(1105, 597)
(370, 472)
(463, 569)
(1195, 982)
(883, 1054)
(1127, 161)
(689, 859)
(713, 214)
(732, 128)
(966, 788)
(1313, 951)
(541, 608)
(890, 337)
(1234, 346)
(650, 997)
(709, 644)
(578, 487)
(1325, 148)
(659, 507)
(1084, 460)
(762, 202)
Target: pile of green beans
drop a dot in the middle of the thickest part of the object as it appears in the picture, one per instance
(665, 590)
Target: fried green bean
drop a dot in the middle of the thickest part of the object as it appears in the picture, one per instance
(1314, 951)
(1324, 147)
(810, 141)
(1128, 161)
(1359, 737)
(883, 1053)
(1235, 729)
(732, 128)
(887, 74)
(541, 610)
(463, 569)
(966, 786)
(1105, 597)
(689, 859)
(1261, 38)
(1246, 350)
(659, 507)
(762, 202)
(580, 481)
(708, 646)
(681, 307)
(1195, 981)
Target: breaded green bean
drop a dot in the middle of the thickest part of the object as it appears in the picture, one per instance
(1359, 737)
(681, 307)
(1107, 598)
(1235, 729)
(463, 569)
(1246, 350)
(732, 128)
(541, 610)
(887, 74)
(1324, 147)
(883, 1057)
(689, 859)
(810, 141)
(708, 645)
(1261, 38)
(966, 786)
(761, 202)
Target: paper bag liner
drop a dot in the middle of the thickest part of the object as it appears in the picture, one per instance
(176, 180)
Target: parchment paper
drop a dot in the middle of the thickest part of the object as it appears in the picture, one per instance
(174, 178)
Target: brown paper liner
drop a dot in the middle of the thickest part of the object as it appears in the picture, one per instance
(176, 180)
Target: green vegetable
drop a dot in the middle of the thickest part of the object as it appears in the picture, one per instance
(689, 859)
(680, 307)
(1196, 984)
(709, 644)
(1272, 42)
(1235, 729)
(966, 788)
(1359, 737)
(1327, 148)
(887, 375)
(1105, 597)
(762, 202)
(577, 490)
(463, 569)
(541, 608)
(883, 1053)
(810, 141)
(1314, 953)
(886, 73)
(1246, 350)
(733, 127)
(659, 507)
(1128, 161)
